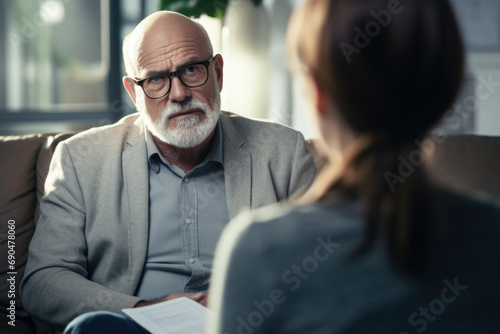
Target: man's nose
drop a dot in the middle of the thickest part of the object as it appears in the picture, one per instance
(178, 92)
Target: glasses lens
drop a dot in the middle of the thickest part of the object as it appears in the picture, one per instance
(157, 86)
(194, 75)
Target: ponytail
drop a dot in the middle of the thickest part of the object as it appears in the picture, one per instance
(399, 215)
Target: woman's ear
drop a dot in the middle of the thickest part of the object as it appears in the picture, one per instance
(320, 97)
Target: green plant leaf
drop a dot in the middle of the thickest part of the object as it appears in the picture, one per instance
(189, 8)
(195, 8)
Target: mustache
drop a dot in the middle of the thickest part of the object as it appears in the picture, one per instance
(185, 106)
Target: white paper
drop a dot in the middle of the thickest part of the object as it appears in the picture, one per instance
(176, 316)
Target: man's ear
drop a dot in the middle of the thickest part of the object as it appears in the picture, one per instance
(218, 67)
(130, 87)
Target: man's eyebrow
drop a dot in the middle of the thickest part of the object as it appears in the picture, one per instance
(160, 73)
(149, 74)
(189, 62)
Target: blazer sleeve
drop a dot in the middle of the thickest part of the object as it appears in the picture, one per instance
(55, 287)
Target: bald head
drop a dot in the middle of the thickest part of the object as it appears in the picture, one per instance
(159, 30)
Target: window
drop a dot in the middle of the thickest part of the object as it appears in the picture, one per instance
(61, 64)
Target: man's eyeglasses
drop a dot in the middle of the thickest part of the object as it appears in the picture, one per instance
(191, 75)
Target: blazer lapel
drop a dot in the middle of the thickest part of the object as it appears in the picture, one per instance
(237, 168)
(136, 191)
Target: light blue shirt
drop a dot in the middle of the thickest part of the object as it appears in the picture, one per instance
(187, 213)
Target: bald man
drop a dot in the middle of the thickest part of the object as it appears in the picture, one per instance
(132, 211)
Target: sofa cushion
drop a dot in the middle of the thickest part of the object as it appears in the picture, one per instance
(464, 163)
(17, 203)
(23, 171)
(467, 163)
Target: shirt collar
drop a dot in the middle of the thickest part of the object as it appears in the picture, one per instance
(215, 153)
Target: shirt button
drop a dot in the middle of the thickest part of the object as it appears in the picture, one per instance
(186, 180)
(188, 221)
(191, 260)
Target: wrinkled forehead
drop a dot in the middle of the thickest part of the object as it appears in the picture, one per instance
(165, 42)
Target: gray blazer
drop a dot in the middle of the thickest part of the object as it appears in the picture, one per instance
(90, 245)
(308, 281)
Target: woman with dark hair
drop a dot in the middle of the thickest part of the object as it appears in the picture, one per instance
(366, 250)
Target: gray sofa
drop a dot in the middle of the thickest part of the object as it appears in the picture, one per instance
(466, 163)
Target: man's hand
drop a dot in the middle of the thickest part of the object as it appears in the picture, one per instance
(197, 297)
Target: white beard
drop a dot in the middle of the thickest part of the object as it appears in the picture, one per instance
(191, 131)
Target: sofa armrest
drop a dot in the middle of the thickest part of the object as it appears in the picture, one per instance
(24, 166)
(464, 163)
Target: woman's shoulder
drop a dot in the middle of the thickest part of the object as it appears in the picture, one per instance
(468, 223)
(287, 225)
(303, 216)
